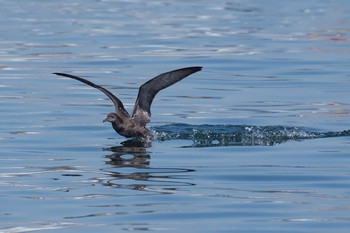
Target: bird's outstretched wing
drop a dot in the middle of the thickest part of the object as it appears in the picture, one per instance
(119, 107)
(147, 92)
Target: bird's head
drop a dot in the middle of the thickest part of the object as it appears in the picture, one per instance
(113, 118)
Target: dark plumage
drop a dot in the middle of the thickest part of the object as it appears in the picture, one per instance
(134, 126)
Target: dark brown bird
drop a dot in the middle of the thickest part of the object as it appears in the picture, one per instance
(135, 126)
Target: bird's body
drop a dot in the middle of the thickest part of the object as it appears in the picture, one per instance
(128, 128)
(135, 125)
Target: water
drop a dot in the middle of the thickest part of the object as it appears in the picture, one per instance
(256, 142)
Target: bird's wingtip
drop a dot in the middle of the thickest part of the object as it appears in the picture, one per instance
(63, 74)
(198, 68)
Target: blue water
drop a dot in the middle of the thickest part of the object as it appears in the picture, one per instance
(258, 141)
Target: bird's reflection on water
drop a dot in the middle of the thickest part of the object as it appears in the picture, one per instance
(131, 153)
(129, 168)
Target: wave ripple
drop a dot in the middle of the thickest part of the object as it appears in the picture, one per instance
(238, 135)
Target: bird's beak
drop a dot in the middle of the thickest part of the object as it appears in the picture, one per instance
(105, 120)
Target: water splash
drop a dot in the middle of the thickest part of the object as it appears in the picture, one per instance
(238, 135)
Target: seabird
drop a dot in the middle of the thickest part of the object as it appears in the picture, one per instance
(135, 125)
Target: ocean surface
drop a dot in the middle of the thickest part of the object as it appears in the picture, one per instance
(258, 141)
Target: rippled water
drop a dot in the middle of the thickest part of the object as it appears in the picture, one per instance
(258, 141)
(239, 135)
